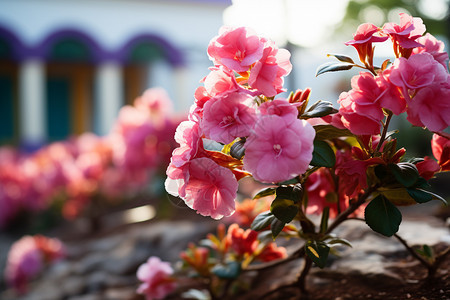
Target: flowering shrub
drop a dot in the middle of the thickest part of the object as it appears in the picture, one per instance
(337, 163)
(28, 257)
(90, 168)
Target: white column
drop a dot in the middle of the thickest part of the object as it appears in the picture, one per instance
(109, 98)
(32, 102)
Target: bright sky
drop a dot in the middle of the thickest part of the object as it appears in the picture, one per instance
(306, 23)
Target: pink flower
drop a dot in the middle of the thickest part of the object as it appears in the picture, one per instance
(441, 151)
(189, 137)
(418, 71)
(427, 168)
(276, 150)
(228, 116)
(280, 108)
(156, 102)
(204, 186)
(237, 49)
(434, 47)
(405, 34)
(321, 193)
(156, 277)
(352, 171)
(219, 81)
(365, 35)
(266, 75)
(360, 108)
(28, 256)
(430, 107)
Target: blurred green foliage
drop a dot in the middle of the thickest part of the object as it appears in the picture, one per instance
(359, 11)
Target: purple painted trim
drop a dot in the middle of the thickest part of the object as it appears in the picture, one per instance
(174, 56)
(43, 49)
(97, 53)
(17, 47)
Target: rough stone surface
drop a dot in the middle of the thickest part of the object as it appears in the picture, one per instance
(104, 266)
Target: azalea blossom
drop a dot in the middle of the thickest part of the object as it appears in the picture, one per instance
(228, 116)
(267, 74)
(277, 150)
(430, 107)
(280, 108)
(434, 47)
(27, 258)
(236, 48)
(405, 34)
(427, 168)
(365, 35)
(156, 277)
(204, 186)
(441, 151)
(416, 72)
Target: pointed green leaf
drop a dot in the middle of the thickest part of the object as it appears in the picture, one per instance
(382, 216)
(319, 109)
(284, 210)
(327, 132)
(343, 58)
(323, 155)
(420, 196)
(405, 173)
(318, 252)
(428, 251)
(338, 241)
(265, 192)
(333, 67)
(276, 227)
(262, 221)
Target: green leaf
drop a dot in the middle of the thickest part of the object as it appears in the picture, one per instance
(382, 216)
(284, 210)
(262, 221)
(318, 252)
(343, 58)
(397, 195)
(328, 132)
(265, 192)
(319, 109)
(428, 251)
(230, 270)
(276, 227)
(333, 67)
(338, 241)
(405, 173)
(293, 193)
(323, 155)
(420, 196)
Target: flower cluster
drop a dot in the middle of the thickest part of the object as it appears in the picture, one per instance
(312, 159)
(417, 82)
(235, 111)
(156, 277)
(79, 169)
(27, 258)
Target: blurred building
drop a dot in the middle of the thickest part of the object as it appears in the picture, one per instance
(68, 66)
